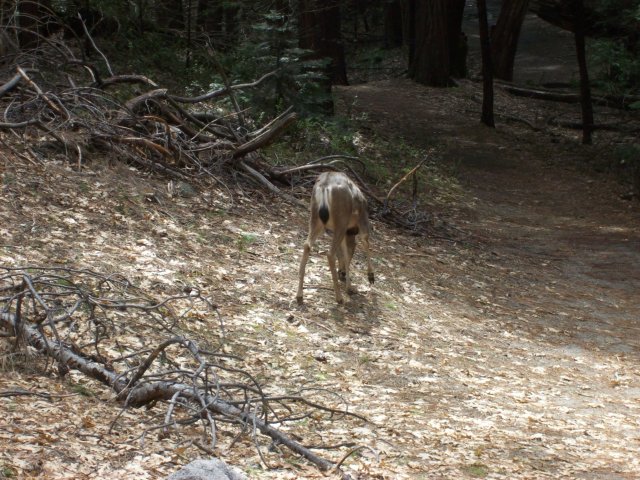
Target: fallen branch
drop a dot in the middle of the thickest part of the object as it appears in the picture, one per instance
(267, 136)
(270, 186)
(11, 84)
(38, 305)
(146, 393)
(402, 180)
(222, 91)
(622, 102)
(611, 127)
(116, 79)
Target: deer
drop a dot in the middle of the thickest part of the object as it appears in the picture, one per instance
(337, 206)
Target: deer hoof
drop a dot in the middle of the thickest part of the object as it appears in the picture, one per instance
(342, 275)
(371, 278)
(299, 300)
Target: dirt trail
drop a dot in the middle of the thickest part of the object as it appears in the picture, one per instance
(549, 297)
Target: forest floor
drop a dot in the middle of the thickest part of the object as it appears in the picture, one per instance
(509, 351)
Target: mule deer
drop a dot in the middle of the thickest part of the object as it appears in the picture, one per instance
(337, 205)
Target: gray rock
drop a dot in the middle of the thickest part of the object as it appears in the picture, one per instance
(212, 469)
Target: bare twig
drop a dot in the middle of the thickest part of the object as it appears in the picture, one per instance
(93, 44)
(174, 370)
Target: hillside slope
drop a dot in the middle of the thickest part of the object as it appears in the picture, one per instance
(511, 352)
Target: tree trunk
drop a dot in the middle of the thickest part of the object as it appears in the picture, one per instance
(487, 71)
(408, 9)
(333, 47)
(457, 40)
(437, 34)
(170, 14)
(505, 35)
(585, 89)
(32, 20)
(191, 17)
(393, 24)
(319, 31)
(231, 23)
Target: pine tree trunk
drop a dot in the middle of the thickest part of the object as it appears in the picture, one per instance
(393, 25)
(585, 89)
(505, 35)
(457, 40)
(431, 60)
(408, 10)
(319, 31)
(333, 47)
(487, 71)
(31, 21)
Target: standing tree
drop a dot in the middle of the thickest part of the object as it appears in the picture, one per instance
(393, 24)
(505, 35)
(585, 89)
(487, 71)
(319, 31)
(408, 11)
(32, 20)
(437, 39)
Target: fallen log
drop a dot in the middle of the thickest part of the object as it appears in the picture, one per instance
(277, 127)
(614, 101)
(38, 308)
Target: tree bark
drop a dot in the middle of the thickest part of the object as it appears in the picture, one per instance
(585, 89)
(32, 22)
(437, 36)
(457, 40)
(393, 25)
(431, 61)
(408, 9)
(505, 35)
(319, 30)
(487, 71)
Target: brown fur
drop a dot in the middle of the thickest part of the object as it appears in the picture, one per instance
(334, 193)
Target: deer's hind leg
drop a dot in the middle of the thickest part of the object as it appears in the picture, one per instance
(336, 252)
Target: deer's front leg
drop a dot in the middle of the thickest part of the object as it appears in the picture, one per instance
(303, 264)
(342, 269)
(367, 249)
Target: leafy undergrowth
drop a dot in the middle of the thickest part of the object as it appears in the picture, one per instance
(510, 354)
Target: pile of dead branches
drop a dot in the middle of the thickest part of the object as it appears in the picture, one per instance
(57, 104)
(49, 93)
(140, 347)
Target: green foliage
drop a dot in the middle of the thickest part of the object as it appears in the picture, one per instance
(271, 45)
(7, 472)
(616, 54)
(245, 240)
(8, 179)
(382, 161)
(476, 470)
(82, 390)
(617, 68)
